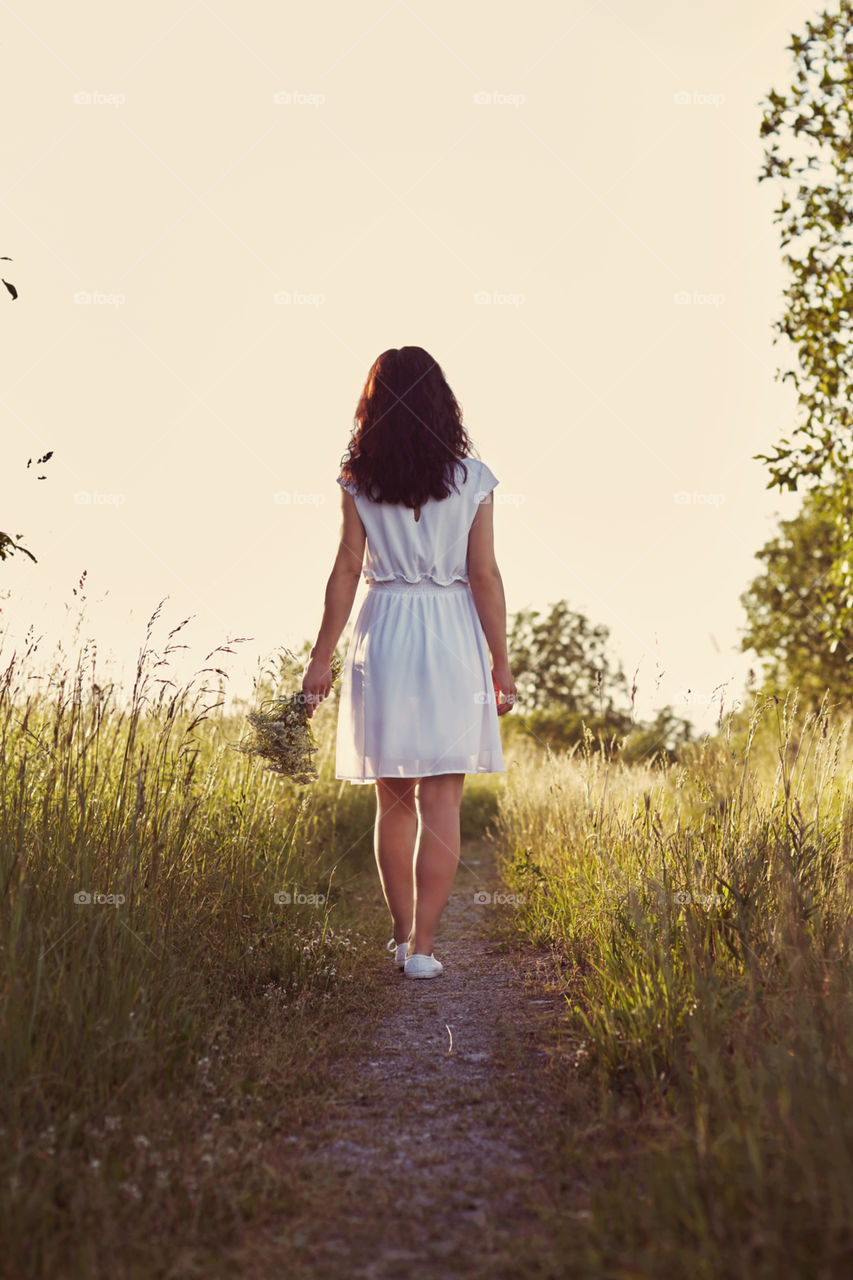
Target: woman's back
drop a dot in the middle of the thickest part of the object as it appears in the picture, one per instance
(430, 545)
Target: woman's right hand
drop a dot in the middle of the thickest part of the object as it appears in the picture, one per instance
(505, 690)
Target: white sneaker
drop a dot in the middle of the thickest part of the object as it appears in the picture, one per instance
(400, 949)
(421, 966)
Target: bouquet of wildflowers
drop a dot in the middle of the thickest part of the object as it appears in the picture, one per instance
(282, 736)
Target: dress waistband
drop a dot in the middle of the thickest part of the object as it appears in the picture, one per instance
(424, 585)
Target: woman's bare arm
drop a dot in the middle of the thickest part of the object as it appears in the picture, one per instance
(487, 588)
(340, 594)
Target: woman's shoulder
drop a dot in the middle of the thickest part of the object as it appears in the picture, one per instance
(478, 472)
(472, 467)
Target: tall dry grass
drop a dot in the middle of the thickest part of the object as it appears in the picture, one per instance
(703, 913)
(142, 947)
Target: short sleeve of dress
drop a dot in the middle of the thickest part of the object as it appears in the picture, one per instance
(485, 482)
(348, 485)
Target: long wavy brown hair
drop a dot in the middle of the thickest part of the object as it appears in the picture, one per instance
(408, 435)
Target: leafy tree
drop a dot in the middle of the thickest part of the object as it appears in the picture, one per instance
(566, 686)
(664, 736)
(792, 608)
(561, 659)
(561, 730)
(8, 546)
(811, 158)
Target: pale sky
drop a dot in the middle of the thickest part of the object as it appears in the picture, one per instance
(220, 214)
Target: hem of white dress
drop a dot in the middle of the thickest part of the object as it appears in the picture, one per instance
(348, 777)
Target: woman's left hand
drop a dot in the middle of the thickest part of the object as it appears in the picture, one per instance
(316, 684)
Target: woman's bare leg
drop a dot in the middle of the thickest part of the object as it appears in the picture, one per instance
(437, 854)
(394, 845)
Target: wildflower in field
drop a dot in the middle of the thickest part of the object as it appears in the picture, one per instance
(282, 735)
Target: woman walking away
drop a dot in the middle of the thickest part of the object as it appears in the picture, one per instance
(420, 695)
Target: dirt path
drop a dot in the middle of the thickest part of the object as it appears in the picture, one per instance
(428, 1157)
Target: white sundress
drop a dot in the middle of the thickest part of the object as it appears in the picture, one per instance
(416, 693)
